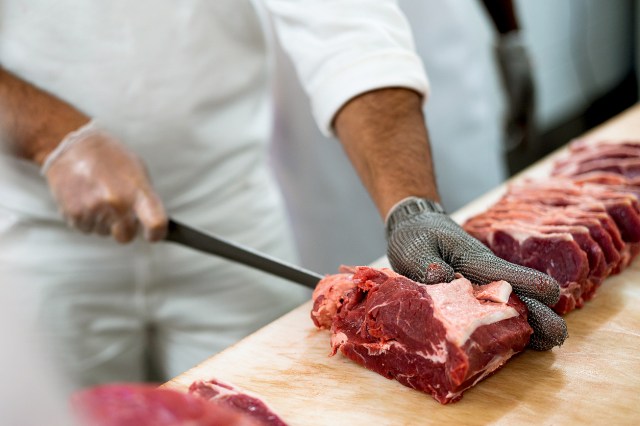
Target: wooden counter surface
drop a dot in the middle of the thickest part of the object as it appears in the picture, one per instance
(594, 378)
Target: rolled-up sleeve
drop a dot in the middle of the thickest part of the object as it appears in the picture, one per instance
(343, 48)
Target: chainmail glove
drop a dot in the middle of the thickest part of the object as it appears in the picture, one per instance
(424, 244)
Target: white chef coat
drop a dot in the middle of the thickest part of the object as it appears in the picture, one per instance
(27, 371)
(186, 86)
(464, 117)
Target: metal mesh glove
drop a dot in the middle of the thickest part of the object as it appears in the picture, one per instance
(424, 244)
(100, 186)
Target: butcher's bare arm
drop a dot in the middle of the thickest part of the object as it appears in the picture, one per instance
(385, 136)
(32, 121)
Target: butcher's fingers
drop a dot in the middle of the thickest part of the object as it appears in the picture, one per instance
(417, 256)
(424, 244)
(549, 329)
(482, 267)
(101, 186)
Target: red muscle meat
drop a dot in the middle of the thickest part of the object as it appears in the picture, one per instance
(600, 225)
(440, 339)
(622, 158)
(145, 405)
(239, 400)
(622, 206)
(566, 254)
(588, 209)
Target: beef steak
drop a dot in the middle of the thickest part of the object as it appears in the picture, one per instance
(440, 339)
(131, 404)
(239, 400)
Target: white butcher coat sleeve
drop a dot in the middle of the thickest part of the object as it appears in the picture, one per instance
(343, 48)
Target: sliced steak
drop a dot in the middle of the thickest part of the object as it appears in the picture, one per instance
(551, 250)
(241, 401)
(622, 207)
(600, 225)
(585, 157)
(596, 187)
(145, 405)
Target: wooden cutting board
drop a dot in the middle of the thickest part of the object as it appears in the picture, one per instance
(594, 378)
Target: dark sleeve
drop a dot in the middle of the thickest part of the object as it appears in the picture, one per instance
(502, 14)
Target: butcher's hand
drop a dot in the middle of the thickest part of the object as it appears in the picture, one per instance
(424, 244)
(101, 186)
(517, 79)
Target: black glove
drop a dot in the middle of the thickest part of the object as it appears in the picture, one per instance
(424, 244)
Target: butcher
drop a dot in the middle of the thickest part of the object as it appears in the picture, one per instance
(115, 115)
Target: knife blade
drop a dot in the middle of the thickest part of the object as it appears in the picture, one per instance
(213, 244)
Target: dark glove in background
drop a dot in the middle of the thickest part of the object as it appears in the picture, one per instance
(516, 74)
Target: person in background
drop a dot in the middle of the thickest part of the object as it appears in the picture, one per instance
(516, 75)
(115, 115)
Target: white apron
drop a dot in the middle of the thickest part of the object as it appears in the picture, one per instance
(186, 86)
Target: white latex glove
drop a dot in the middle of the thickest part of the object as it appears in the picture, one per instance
(101, 186)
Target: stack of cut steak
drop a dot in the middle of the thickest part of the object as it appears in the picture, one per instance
(440, 339)
(617, 158)
(580, 225)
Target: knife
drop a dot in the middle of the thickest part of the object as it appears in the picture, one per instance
(212, 244)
